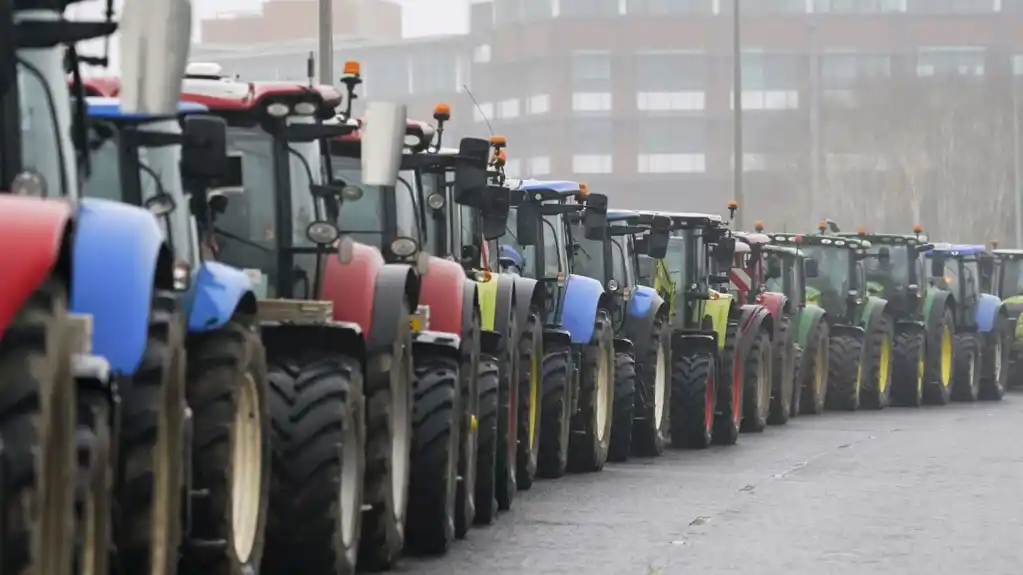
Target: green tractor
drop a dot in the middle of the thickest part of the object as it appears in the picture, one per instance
(861, 330)
(896, 271)
(720, 348)
(1006, 282)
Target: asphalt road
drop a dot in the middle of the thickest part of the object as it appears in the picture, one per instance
(932, 491)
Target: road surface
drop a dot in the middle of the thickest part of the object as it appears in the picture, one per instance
(932, 491)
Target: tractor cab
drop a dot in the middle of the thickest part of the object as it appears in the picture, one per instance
(840, 286)
(957, 269)
(1008, 276)
(895, 268)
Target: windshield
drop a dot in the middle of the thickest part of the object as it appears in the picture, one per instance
(105, 179)
(363, 217)
(834, 264)
(897, 272)
(968, 277)
(552, 238)
(1012, 278)
(620, 270)
(588, 257)
(774, 280)
(41, 149)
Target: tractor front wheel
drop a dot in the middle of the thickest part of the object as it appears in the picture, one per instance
(624, 407)
(465, 505)
(783, 376)
(940, 361)
(591, 426)
(653, 398)
(757, 380)
(813, 391)
(693, 399)
(876, 391)
(996, 355)
(728, 416)
(530, 396)
(966, 380)
(556, 403)
(909, 354)
(845, 372)
(487, 476)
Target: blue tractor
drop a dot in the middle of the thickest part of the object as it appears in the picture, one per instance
(579, 344)
(983, 340)
(168, 164)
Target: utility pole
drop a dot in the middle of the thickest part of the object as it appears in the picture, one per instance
(815, 122)
(326, 42)
(1015, 161)
(737, 106)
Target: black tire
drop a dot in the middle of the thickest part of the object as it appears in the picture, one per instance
(624, 408)
(508, 419)
(875, 392)
(966, 381)
(94, 480)
(783, 372)
(150, 462)
(490, 443)
(995, 357)
(816, 370)
(318, 438)
(845, 372)
(941, 360)
(693, 398)
(465, 505)
(652, 426)
(531, 386)
(908, 371)
(388, 417)
(430, 528)
(756, 383)
(555, 424)
(728, 414)
(591, 437)
(227, 381)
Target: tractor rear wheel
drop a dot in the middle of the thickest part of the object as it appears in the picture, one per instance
(783, 372)
(757, 379)
(319, 458)
(728, 415)
(591, 425)
(37, 424)
(94, 480)
(996, 356)
(797, 376)
(877, 381)
(530, 397)
(555, 427)
(940, 361)
(909, 354)
(693, 399)
(845, 372)
(434, 464)
(508, 418)
(816, 370)
(966, 381)
(624, 407)
(653, 398)
(465, 505)
(490, 444)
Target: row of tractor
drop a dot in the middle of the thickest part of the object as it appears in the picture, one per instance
(243, 330)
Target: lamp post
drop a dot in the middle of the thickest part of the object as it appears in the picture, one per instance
(737, 111)
(326, 42)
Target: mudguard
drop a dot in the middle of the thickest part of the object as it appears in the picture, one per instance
(934, 298)
(32, 232)
(285, 338)
(117, 251)
(491, 342)
(717, 312)
(623, 345)
(470, 302)
(442, 289)
(774, 302)
(217, 291)
(852, 330)
(435, 342)
(987, 309)
(908, 325)
(394, 283)
(528, 293)
(497, 297)
(808, 319)
(688, 342)
(582, 298)
(872, 312)
(639, 327)
(643, 301)
(751, 319)
(351, 286)
(556, 339)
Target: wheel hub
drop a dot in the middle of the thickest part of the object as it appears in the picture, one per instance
(660, 385)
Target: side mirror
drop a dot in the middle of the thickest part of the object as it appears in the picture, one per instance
(595, 217)
(527, 224)
(494, 221)
(811, 268)
(204, 153)
(658, 244)
(724, 252)
(646, 270)
(937, 265)
(155, 40)
(641, 245)
(383, 139)
(7, 48)
(471, 171)
(884, 257)
(987, 267)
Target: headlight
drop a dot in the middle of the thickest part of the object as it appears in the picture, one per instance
(404, 247)
(305, 108)
(322, 233)
(278, 110)
(182, 275)
(435, 201)
(29, 183)
(351, 193)
(160, 205)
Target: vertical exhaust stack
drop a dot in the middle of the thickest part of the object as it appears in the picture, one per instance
(156, 37)
(383, 139)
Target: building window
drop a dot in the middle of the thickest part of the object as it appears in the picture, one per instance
(508, 108)
(845, 67)
(592, 164)
(858, 6)
(591, 71)
(433, 73)
(484, 112)
(577, 8)
(653, 7)
(671, 163)
(591, 101)
(670, 71)
(759, 7)
(671, 135)
(592, 136)
(539, 165)
(533, 10)
(772, 70)
(513, 166)
(767, 100)
(539, 104)
(950, 6)
(481, 54)
(950, 61)
(671, 101)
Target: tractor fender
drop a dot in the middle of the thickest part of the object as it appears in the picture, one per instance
(395, 283)
(216, 293)
(438, 343)
(909, 326)
(36, 236)
(848, 330)
(497, 302)
(809, 318)
(443, 290)
(872, 312)
(690, 342)
(583, 296)
(623, 345)
(717, 311)
(528, 294)
(1013, 305)
(776, 303)
(120, 258)
(639, 327)
(351, 286)
(935, 302)
(642, 301)
(491, 342)
(988, 308)
(286, 338)
(556, 339)
(751, 319)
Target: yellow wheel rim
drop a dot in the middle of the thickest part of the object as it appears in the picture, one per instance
(884, 365)
(920, 371)
(946, 356)
(534, 398)
(859, 376)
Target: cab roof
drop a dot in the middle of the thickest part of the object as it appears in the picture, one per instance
(683, 220)
(110, 108)
(753, 238)
(888, 239)
(852, 243)
(958, 249)
(1009, 254)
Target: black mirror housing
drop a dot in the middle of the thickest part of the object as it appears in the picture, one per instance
(811, 268)
(204, 152)
(527, 224)
(724, 252)
(7, 47)
(884, 256)
(595, 217)
(471, 171)
(937, 265)
(494, 213)
(658, 243)
(646, 270)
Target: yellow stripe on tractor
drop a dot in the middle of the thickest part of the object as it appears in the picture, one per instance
(487, 293)
(717, 310)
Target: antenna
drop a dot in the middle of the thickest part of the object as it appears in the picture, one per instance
(310, 68)
(477, 104)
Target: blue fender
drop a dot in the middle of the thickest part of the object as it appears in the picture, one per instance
(581, 296)
(986, 311)
(216, 291)
(642, 301)
(116, 250)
